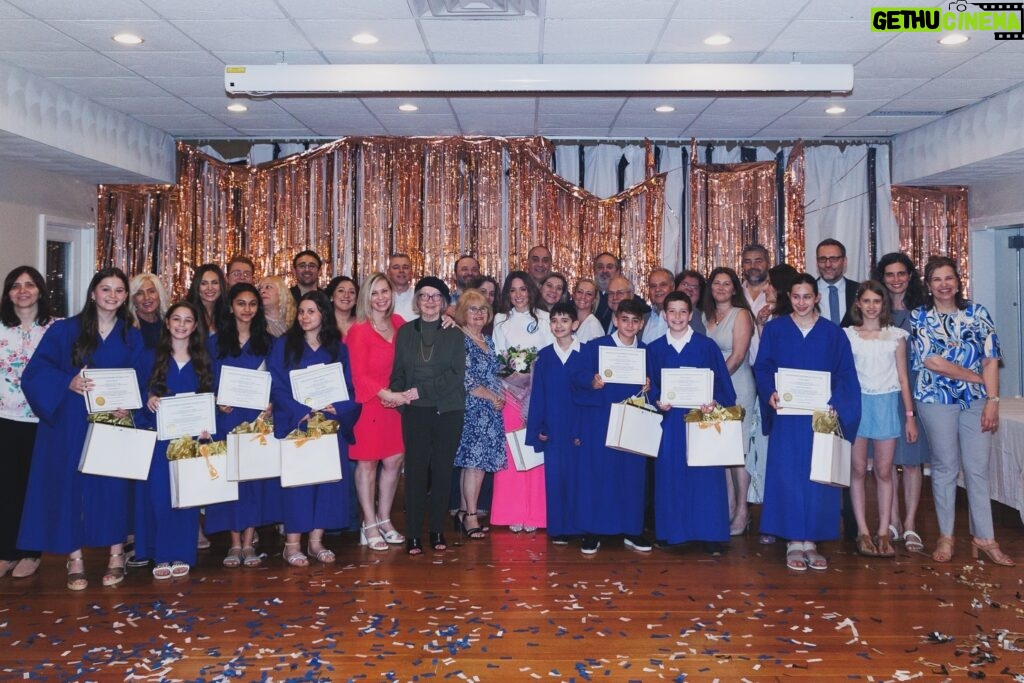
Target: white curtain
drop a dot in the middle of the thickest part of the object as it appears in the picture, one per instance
(837, 204)
(601, 170)
(673, 220)
(888, 231)
(567, 162)
(636, 156)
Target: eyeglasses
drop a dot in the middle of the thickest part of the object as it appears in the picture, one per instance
(477, 309)
(430, 297)
(307, 266)
(831, 260)
(241, 274)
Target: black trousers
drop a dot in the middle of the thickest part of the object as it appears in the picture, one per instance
(431, 440)
(17, 439)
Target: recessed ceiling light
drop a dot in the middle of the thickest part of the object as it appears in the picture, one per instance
(664, 108)
(718, 39)
(835, 109)
(365, 38)
(237, 107)
(408, 107)
(954, 39)
(127, 39)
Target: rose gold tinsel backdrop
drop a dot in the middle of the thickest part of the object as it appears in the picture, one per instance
(933, 220)
(734, 205)
(357, 200)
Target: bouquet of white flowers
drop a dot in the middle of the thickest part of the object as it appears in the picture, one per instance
(514, 368)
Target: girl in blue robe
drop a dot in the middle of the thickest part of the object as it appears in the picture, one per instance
(550, 420)
(65, 509)
(690, 503)
(795, 507)
(312, 339)
(610, 483)
(179, 364)
(242, 342)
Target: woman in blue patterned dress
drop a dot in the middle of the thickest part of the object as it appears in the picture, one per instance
(482, 448)
(956, 351)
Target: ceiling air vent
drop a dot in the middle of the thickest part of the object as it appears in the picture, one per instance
(475, 9)
(908, 113)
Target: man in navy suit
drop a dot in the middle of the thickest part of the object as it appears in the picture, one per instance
(837, 292)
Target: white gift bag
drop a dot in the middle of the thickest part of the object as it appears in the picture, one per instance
(524, 457)
(201, 481)
(634, 430)
(253, 456)
(112, 451)
(310, 461)
(830, 460)
(714, 444)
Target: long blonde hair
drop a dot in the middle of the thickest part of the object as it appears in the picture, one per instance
(285, 302)
(366, 291)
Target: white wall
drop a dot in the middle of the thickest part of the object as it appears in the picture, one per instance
(25, 193)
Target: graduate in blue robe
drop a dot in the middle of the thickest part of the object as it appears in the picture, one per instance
(549, 423)
(64, 509)
(610, 483)
(259, 501)
(795, 507)
(312, 339)
(179, 364)
(690, 503)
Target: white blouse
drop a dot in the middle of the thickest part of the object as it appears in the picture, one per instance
(876, 359)
(521, 330)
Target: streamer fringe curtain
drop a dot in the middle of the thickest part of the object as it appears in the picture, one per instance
(357, 200)
(933, 221)
(732, 205)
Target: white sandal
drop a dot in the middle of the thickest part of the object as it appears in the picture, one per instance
(375, 542)
(391, 536)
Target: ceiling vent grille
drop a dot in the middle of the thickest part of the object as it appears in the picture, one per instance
(908, 113)
(475, 9)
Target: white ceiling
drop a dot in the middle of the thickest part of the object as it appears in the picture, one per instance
(174, 80)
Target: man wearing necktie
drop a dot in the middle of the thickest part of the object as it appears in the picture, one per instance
(837, 296)
(837, 292)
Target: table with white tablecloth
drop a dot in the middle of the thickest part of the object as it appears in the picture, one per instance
(1006, 466)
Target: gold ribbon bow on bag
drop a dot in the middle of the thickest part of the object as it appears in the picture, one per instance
(186, 448)
(260, 428)
(713, 415)
(316, 426)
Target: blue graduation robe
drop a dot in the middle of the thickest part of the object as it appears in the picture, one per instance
(320, 506)
(259, 501)
(690, 503)
(552, 412)
(64, 509)
(795, 507)
(164, 533)
(610, 483)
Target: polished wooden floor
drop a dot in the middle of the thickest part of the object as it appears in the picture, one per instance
(515, 607)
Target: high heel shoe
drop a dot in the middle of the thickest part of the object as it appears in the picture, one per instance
(735, 530)
(391, 535)
(943, 549)
(413, 546)
(470, 532)
(437, 541)
(992, 551)
(375, 542)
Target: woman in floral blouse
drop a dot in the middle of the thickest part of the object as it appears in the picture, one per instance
(25, 314)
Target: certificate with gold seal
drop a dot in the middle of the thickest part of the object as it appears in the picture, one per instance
(801, 392)
(243, 388)
(687, 387)
(621, 365)
(320, 385)
(185, 415)
(112, 389)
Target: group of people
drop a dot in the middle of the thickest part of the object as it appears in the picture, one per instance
(445, 382)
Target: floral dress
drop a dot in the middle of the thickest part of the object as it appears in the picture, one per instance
(483, 435)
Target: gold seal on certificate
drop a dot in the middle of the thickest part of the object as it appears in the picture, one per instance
(609, 372)
(670, 395)
(112, 389)
(787, 396)
(100, 401)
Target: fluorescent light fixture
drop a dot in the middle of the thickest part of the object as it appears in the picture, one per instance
(237, 107)
(408, 107)
(127, 39)
(365, 39)
(664, 109)
(954, 39)
(537, 78)
(835, 109)
(717, 39)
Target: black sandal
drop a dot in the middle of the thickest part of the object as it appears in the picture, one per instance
(413, 546)
(437, 541)
(475, 532)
